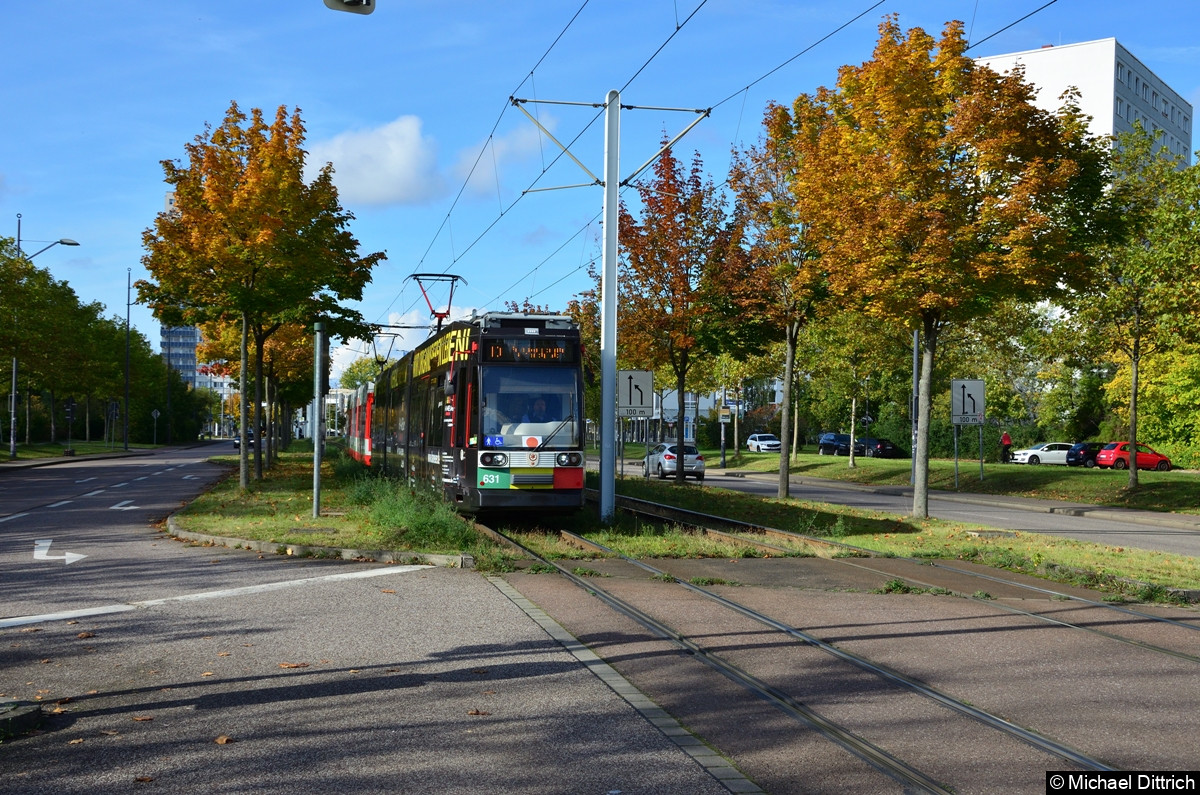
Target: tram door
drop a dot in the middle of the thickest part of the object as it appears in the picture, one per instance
(462, 418)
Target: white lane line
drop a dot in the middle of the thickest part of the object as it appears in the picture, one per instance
(119, 485)
(59, 504)
(65, 615)
(14, 516)
(94, 493)
(250, 589)
(143, 477)
(123, 505)
(85, 480)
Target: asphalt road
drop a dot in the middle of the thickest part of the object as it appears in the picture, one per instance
(160, 665)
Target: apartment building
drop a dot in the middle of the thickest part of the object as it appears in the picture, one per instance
(1116, 89)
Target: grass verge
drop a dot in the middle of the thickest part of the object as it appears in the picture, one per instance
(358, 511)
(1134, 573)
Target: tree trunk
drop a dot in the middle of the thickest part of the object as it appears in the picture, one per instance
(1133, 408)
(853, 425)
(680, 472)
(924, 403)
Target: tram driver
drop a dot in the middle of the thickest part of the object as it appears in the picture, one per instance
(537, 411)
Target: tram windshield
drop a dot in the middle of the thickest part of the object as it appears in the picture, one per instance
(530, 407)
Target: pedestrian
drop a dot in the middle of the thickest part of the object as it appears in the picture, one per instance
(1005, 448)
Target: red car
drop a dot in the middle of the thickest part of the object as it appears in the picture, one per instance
(1116, 455)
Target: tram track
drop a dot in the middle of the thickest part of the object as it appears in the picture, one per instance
(908, 775)
(702, 523)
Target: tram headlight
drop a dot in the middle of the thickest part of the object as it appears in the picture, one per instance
(494, 459)
(569, 459)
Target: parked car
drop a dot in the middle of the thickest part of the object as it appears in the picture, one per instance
(1083, 454)
(837, 444)
(1044, 453)
(237, 440)
(663, 461)
(881, 448)
(1116, 455)
(763, 443)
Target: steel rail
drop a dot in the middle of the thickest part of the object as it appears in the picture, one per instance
(886, 672)
(656, 509)
(870, 753)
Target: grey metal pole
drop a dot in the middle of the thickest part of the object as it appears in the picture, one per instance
(318, 431)
(128, 284)
(916, 388)
(608, 308)
(12, 429)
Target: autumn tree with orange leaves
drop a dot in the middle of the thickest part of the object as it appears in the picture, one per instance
(671, 258)
(936, 189)
(248, 240)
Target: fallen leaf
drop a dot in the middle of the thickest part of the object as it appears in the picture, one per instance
(489, 692)
(388, 590)
(110, 732)
(478, 712)
(293, 665)
(76, 741)
(224, 740)
(480, 671)
(355, 671)
(44, 662)
(223, 653)
(207, 673)
(144, 779)
(85, 635)
(142, 718)
(66, 700)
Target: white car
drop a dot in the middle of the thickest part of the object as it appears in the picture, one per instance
(662, 461)
(763, 443)
(1044, 453)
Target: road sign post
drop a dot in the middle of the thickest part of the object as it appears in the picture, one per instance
(967, 407)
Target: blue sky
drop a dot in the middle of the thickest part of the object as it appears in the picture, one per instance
(411, 105)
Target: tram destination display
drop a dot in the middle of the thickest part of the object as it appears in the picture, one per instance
(525, 349)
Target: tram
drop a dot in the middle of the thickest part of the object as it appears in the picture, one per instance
(488, 413)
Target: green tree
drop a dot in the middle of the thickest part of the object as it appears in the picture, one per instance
(1148, 283)
(936, 189)
(362, 371)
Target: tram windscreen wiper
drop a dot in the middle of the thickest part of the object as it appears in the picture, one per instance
(553, 433)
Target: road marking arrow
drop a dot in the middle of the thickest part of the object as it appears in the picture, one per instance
(41, 551)
(123, 505)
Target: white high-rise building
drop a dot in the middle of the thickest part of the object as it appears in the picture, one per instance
(1115, 89)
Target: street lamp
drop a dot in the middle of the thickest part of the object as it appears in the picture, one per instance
(12, 435)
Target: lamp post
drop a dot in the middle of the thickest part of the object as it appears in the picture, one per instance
(12, 428)
(128, 282)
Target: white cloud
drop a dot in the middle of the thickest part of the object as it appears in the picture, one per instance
(520, 145)
(392, 164)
